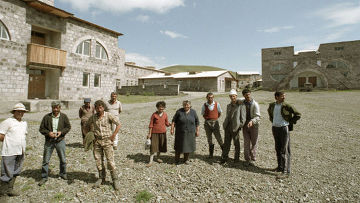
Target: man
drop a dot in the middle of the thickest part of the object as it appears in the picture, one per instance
(12, 133)
(114, 107)
(234, 121)
(211, 111)
(283, 116)
(54, 126)
(100, 124)
(85, 112)
(251, 127)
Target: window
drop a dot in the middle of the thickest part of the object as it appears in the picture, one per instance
(97, 80)
(84, 48)
(100, 52)
(295, 64)
(340, 66)
(3, 32)
(318, 62)
(277, 67)
(86, 77)
(339, 48)
(277, 53)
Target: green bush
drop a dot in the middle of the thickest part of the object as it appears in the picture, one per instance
(148, 93)
(143, 196)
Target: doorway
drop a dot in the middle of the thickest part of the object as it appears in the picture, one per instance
(37, 81)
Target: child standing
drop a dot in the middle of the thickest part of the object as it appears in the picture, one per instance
(157, 132)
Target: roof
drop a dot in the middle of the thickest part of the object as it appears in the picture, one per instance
(46, 8)
(247, 73)
(205, 74)
(141, 67)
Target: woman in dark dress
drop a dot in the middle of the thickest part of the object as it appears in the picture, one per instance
(186, 124)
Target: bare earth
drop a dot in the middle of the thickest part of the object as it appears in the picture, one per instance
(325, 159)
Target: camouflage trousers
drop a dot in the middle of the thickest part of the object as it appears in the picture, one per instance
(101, 148)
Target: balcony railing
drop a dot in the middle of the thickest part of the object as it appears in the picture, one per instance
(43, 55)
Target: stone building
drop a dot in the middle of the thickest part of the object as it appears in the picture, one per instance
(333, 65)
(132, 73)
(214, 81)
(48, 53)
(247, 78)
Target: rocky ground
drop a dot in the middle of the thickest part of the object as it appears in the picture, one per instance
(325, 159)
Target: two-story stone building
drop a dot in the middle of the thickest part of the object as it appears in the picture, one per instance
(333, 65)
(48, 53)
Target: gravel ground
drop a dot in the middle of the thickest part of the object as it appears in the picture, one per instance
(325, 159)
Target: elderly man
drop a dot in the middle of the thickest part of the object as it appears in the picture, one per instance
(234, 121)
(114, 107)
(12, 133)
(283, 116)
(211, 111)
(100, 124)
(85, 112)
(54, 126)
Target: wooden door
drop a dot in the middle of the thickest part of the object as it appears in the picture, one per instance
(37, 38)
(312, 80)
(36, 84)
(301, 81)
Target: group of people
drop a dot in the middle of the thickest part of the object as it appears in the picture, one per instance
(100, 126)
(241, 115)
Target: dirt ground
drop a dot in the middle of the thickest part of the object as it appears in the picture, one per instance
(325, 149)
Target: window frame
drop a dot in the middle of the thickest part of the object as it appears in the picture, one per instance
(102, 51)
(87, 79)
(3, 29)
(98, 80)
(82, 44)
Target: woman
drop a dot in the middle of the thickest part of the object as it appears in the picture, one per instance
(186, 123)
(157, 132)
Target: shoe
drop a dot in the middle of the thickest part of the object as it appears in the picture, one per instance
(159, 161)
(42, 181)
(187, 162)
(223, 161)
(236, 161)
(149, 165)
(282, 176)
(64, 177)
(115, 147)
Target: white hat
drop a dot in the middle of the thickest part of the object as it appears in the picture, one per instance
(232, 92)
(18, 107)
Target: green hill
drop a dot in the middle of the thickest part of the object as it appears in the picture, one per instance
(186, 68)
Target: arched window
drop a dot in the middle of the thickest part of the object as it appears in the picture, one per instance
(84, 48)
(3, 32)
(100, 52)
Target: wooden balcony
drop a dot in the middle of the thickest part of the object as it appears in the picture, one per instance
(43, 55)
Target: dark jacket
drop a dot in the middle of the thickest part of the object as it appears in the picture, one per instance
(288, 112)
(63, 126)
(237, 119)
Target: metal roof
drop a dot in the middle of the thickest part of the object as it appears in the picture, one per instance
(205, 74)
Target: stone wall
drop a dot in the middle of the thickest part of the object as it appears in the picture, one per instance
(334, 65)
(150, 89)
(133, 72)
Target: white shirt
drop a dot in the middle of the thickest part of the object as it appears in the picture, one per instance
(211, 107)
(114, 108)
(15, 137)
(278, 120)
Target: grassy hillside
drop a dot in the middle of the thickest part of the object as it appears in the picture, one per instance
(188, 68)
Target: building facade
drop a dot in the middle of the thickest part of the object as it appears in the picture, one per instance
(207, 81)
(48, 53)
(333, 65)
(247, 79)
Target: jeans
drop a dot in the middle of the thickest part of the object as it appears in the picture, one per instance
(282, 147)
(48, 150)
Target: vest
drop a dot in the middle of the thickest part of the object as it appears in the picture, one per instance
(211, 115)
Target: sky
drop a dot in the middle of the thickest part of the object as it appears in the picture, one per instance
(227, 34)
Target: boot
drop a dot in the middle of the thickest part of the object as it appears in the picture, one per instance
(177, 158)
(11, 192)
(114, 177)
(101, 179)
(211, 151)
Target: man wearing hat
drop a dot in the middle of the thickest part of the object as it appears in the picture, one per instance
(12, 133)
(54, 126)
(234, 121)
(85, 112)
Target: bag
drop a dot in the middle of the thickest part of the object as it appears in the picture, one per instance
(147, 144)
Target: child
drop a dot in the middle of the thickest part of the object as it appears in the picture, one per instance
(157, 132)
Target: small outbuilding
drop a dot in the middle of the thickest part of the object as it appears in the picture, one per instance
(206, 81)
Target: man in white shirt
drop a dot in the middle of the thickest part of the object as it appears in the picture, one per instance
(114, 107)
(12, 133)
